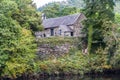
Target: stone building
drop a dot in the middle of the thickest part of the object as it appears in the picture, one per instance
(70, 25)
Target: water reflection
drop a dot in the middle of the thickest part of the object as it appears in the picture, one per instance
(110, 77)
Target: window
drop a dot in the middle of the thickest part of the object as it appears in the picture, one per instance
(52, 32)
(72, 34)
(60, 32)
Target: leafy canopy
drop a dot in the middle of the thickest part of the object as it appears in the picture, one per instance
(17, 48)
(99, 15)
(57, 9)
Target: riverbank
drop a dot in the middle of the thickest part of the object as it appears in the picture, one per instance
(69, 64)
(76, 64)
(70, 76)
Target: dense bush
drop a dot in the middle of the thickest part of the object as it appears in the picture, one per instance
(75, 63)
(17, 49)
(56, 40)
(115, 61)
(17, 46)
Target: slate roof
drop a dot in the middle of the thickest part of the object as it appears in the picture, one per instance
(65, 20)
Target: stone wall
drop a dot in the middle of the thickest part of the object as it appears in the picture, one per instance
(54, 47)
(46, 50)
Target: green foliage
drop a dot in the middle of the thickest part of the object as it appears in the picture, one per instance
(52, 11)
(27, 16)
(24, 53)
(8, 7)
(117, 24)
(55, 10)
(23, 12)
(9, 36)
(17, 46)
(68, 64)
(56, 40)
(90, 33)
(117, 19)
(76, 63)
(76, 3)
(61, 4)
(69, 10)
(100, 16)
(117, 28)
(99, 61)
(115, 61)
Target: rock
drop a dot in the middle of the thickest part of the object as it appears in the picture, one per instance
(46, 50)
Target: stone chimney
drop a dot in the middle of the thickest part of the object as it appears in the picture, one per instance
(43, 16)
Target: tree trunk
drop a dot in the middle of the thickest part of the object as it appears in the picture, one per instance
(90, 32)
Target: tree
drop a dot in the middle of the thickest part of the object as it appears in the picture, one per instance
(69, 10)
(62, 4)
(17, 44)
(27, 16)
(52, 11)
(56, 10)
(76, 3)
(115, 61)
(100, 16)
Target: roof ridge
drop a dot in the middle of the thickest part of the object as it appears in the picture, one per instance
(64, 16)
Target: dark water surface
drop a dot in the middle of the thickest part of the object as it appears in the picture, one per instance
(93, 77)
(108, 77)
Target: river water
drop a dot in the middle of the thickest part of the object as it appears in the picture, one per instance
(108, 77)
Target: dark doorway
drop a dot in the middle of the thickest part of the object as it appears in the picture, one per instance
(72, 34)
(52, 32)
(44, 35)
